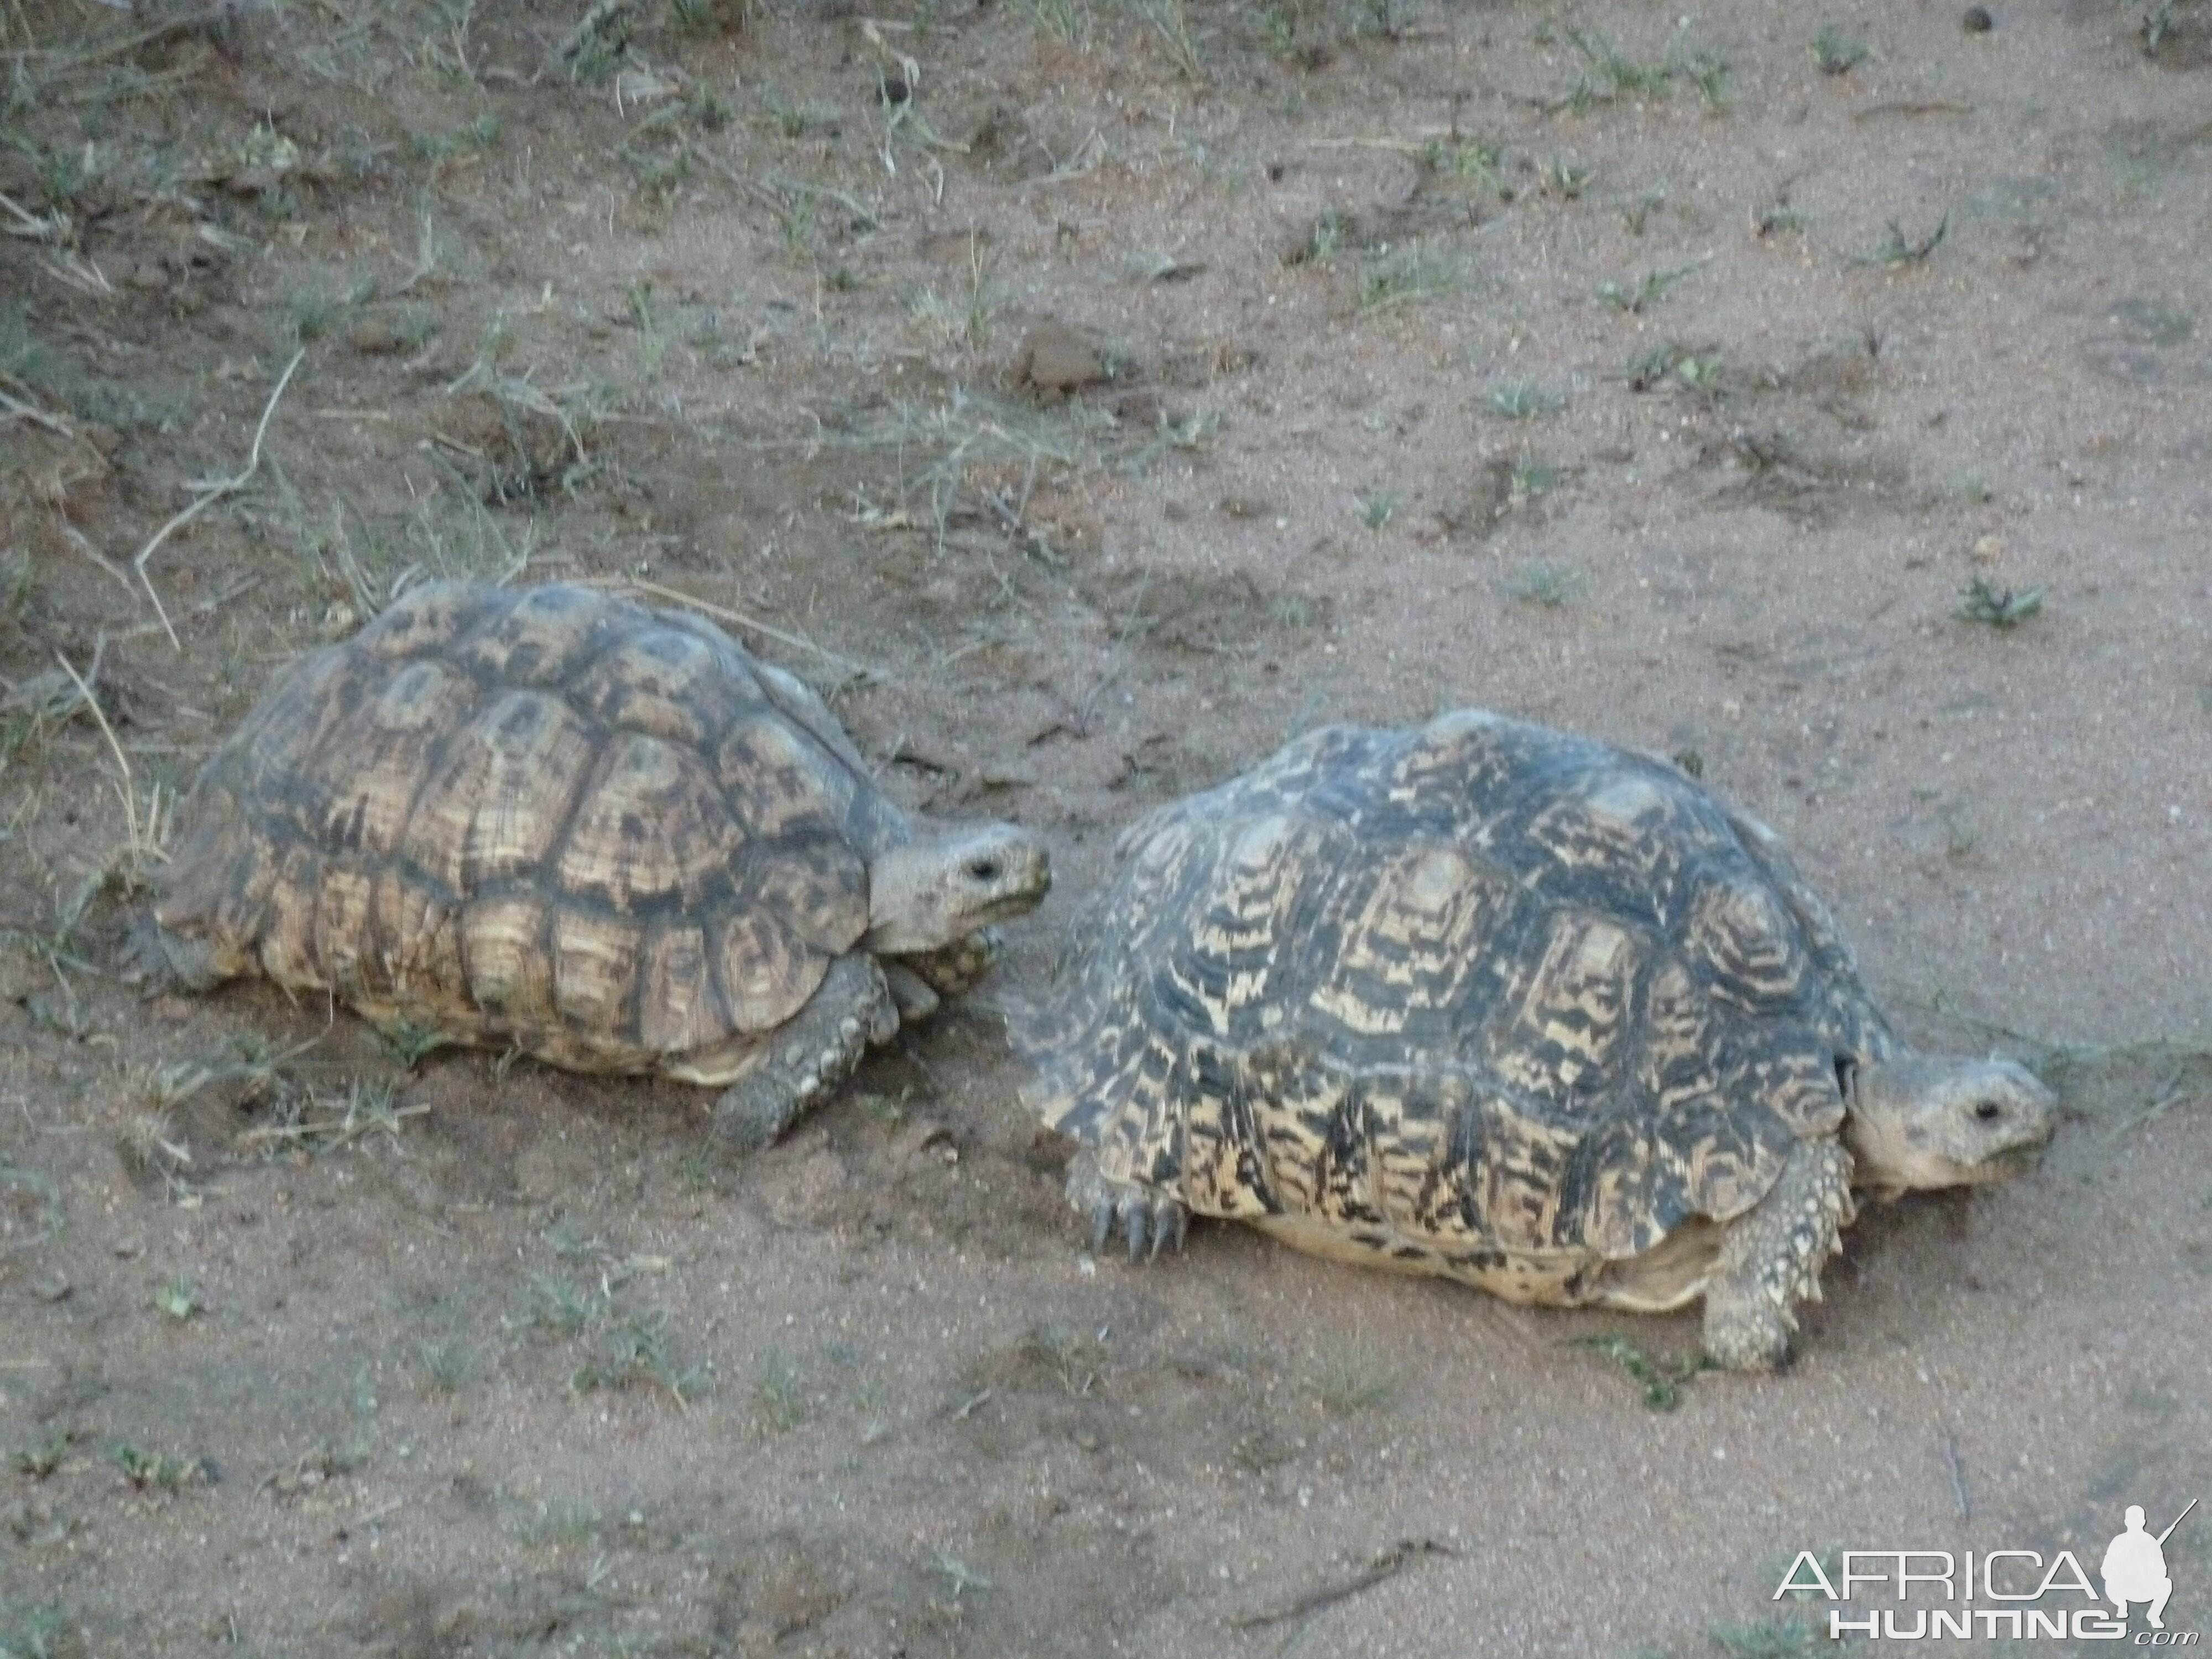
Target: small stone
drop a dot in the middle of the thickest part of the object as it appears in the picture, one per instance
(1977, 21)
(1056, 358)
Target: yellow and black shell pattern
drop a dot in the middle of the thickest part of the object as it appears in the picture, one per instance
(553, 819)
(1480, 997)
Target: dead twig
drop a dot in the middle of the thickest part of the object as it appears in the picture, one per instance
(211, 492)
(1389, 1564)
(1957, 1471)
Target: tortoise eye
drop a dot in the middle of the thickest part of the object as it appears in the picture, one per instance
(983, 869)
(1988, 1111)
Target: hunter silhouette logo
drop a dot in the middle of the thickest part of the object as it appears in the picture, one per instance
(2134, 1566)
(2020, 1595)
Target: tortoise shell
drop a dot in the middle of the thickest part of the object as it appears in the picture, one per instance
(554, 818)
(1480, 998)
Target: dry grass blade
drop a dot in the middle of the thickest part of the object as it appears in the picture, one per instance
(212, 491)
(146, 822)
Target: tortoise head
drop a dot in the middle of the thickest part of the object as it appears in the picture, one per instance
(1921, 1120)
(936, 890)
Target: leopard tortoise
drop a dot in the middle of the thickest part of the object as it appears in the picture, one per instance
(602, 835)
(1490, 1001)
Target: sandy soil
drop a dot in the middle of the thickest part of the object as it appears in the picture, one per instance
(1089, 397)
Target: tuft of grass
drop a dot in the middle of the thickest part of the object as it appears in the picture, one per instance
(780, 1393)
(1835, 52)
(154, 1470)
(1633, 298)
(410, 1042)
(1520, 400)
(1999, 607)
(1472, 161)
(1530, 480)
(1899, 249)
(1548, 585)
(1073, 23)
(1378, 507)
(1618, 73)
(41, 1461)
(445, 1365)
(1662, 1380)
(638, 1356)
(1412, 277)
(179, 1299)
(558, 1522)
(1352, 1379)
(1170, 22)
(1710, 76)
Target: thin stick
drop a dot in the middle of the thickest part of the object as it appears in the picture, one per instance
(1389, 1564)
(1956, 1470)
(213, 492)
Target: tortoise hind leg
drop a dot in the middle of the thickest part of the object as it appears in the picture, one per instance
(1145, 1214)
(159, 962)
(1771, 1256)
(810, 1055)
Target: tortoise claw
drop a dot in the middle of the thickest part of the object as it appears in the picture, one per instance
(1149, 1219)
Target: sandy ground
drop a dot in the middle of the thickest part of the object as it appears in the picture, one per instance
(1088, 398)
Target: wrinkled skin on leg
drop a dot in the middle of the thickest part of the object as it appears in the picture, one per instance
(810, 1055)
(1771, 1256)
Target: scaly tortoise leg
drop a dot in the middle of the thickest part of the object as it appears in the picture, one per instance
(810, 1055)
(1771, 1256)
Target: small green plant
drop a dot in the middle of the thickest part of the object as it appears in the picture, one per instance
(1633, 298)
(1774, 218)
(1711, 77)
(1999, 607)
(410, 1041)
(1470, 161)
(445, 1365)
(1564, 179)
(1835, 52)
(780, 1393)
(637, 1351)
(1378, 507)
(558, 1306)
(178, 1298)
(1520, 400)
(1529, 480)
(41, 1461)
(1322, 241)
(1545, 585)
(1411, 278)
(1899, 249)
(153, 1471)
(1662, 1380)
(1617, 72)
(559, 1522)
(1352, 1379)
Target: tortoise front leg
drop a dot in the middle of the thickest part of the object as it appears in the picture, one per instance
(1771, 1256)
(810, 1055)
